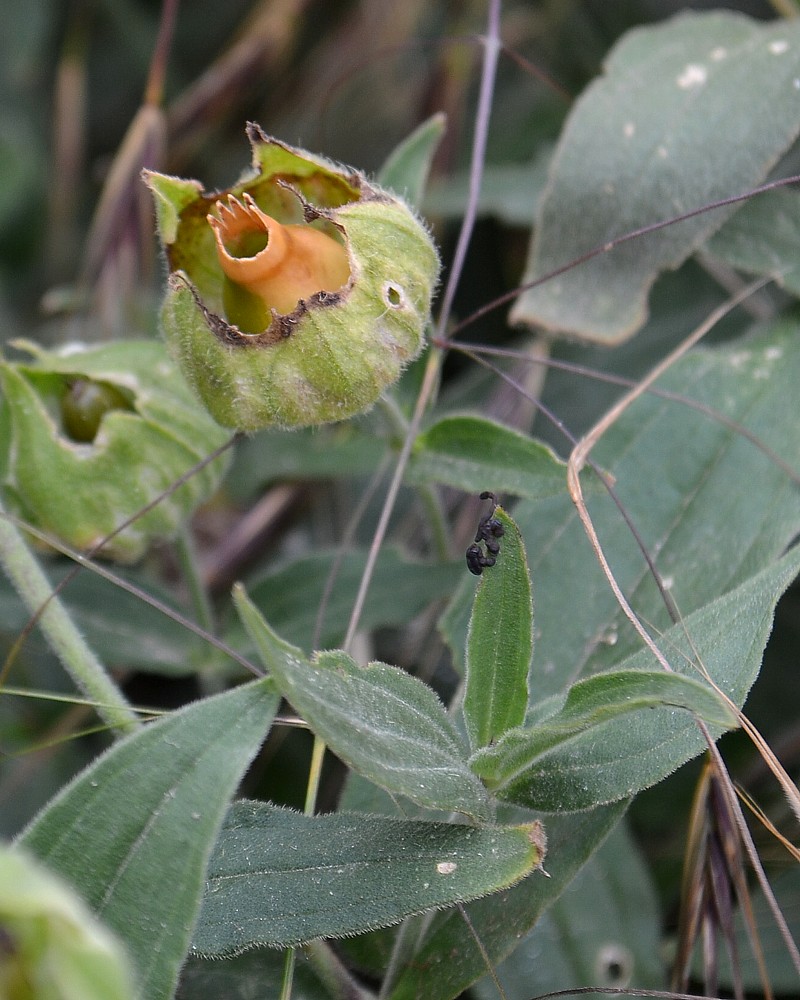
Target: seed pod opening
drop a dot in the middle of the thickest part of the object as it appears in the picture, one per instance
(296, 296)
(84, 404)
(90, 435)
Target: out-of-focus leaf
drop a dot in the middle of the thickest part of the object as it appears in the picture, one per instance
(329, 452)
(499, 643)
(291, 596)
(254, 975)
(280, 878)
(126, 632)
(19, 169)
(381, 721)
(472, 453)
(508, 192)
(763, 237)
(781, 969)
(134, 831)
(636, 150)
(407, 167)
(52, 945)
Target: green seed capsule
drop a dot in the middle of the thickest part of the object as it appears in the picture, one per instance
(295, 297)
(90, 435)
(51, 945)
(85, 403)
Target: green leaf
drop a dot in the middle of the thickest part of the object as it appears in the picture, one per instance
(507, 192)
(407, 168)
(472, 453)
(762, 238)
(637, 148)
(379, 720)
(134, 831)
(517, 759)
(447, 961)
(280, 878)
(499, 643)
(562, 765)
(709, 504)
(400, 590)
(124, 631)
(81, 491)
(623, 947)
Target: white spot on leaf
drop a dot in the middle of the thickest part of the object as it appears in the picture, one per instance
(779, 46)
(446, 867)
(739, 358)
(610, 638)
(628, 130)
(692, 76)
(718, 54)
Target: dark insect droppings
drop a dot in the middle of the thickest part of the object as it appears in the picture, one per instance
(489, 530)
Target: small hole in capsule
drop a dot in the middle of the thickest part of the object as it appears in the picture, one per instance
(393, 296)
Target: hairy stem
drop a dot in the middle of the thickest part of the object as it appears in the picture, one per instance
(64, 639)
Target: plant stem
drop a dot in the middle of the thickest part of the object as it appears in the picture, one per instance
(491, 52)
(193, 579)
(394, 415)
(312, 788)
(430, 380)
(289, 959)
(338, 981)
(314, 775)
(436, 520)
(80, 662)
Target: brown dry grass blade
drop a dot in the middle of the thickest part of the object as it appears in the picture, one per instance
(713, 884)
(723, 865)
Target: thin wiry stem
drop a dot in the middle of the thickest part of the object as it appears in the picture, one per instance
(84, 562)
(154, 89)
(492, 47)
(581, 451)
(612, 244)
(491, 50)
(752, 854)
(473, 350)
